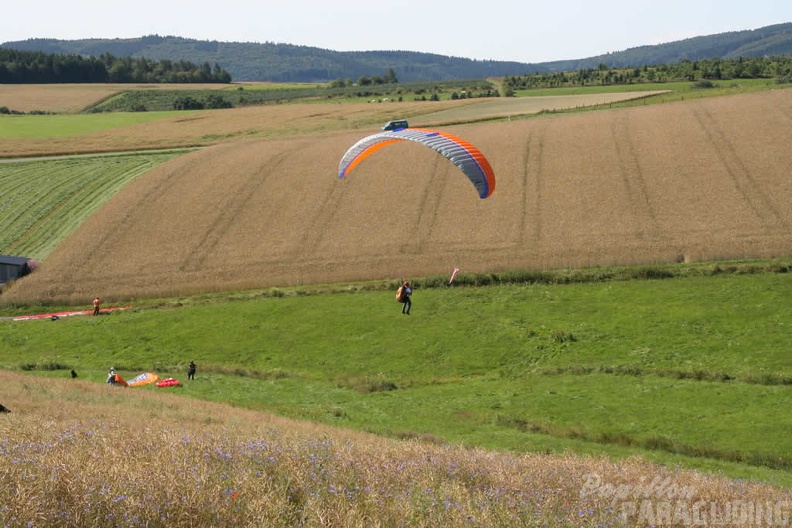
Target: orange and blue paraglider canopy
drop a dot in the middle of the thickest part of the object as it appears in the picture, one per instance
(143, 379)
(461, 153)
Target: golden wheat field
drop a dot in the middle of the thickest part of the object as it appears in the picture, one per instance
(508, 107)
(688, 181)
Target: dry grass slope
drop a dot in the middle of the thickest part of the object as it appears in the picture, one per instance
(697, 180)
(76, 453)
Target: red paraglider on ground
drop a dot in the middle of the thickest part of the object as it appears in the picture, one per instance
(67, 314)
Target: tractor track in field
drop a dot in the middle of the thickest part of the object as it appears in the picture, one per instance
(633, 180)
(739, 173)
(427, 210)
(532, 188)
(524, 188)
(229, 207)
(315, 233)
(110, 237)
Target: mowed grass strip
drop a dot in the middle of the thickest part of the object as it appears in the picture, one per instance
(45, 201)
(692, 371)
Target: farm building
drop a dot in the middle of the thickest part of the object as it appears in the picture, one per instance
(14, 267)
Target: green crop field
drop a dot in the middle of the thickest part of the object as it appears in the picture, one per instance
(66, 125)
(46, 200)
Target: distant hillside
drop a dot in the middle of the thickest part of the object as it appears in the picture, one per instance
(766, 41)
(292, 63)
(282, 62)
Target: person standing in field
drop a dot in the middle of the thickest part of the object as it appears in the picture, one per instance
(111, 376)
(191, 371)
(406, 293)
(96, 304)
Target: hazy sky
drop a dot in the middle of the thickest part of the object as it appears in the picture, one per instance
(514, 30)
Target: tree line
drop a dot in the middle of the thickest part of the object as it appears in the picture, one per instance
(779, 67)
(375, 80)
(33, 67)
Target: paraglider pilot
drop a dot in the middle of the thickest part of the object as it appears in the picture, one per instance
(407, 302)
(191, 370)
(111, 376)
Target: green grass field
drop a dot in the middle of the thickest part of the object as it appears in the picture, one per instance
(67, 125)
(44, 201)
(689, 371)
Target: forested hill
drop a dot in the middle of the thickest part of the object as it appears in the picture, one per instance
(282, 62)
(292, 63)
(767, 41)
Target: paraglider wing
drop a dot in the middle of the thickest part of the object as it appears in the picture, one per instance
(143, 379)
(461, 153)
